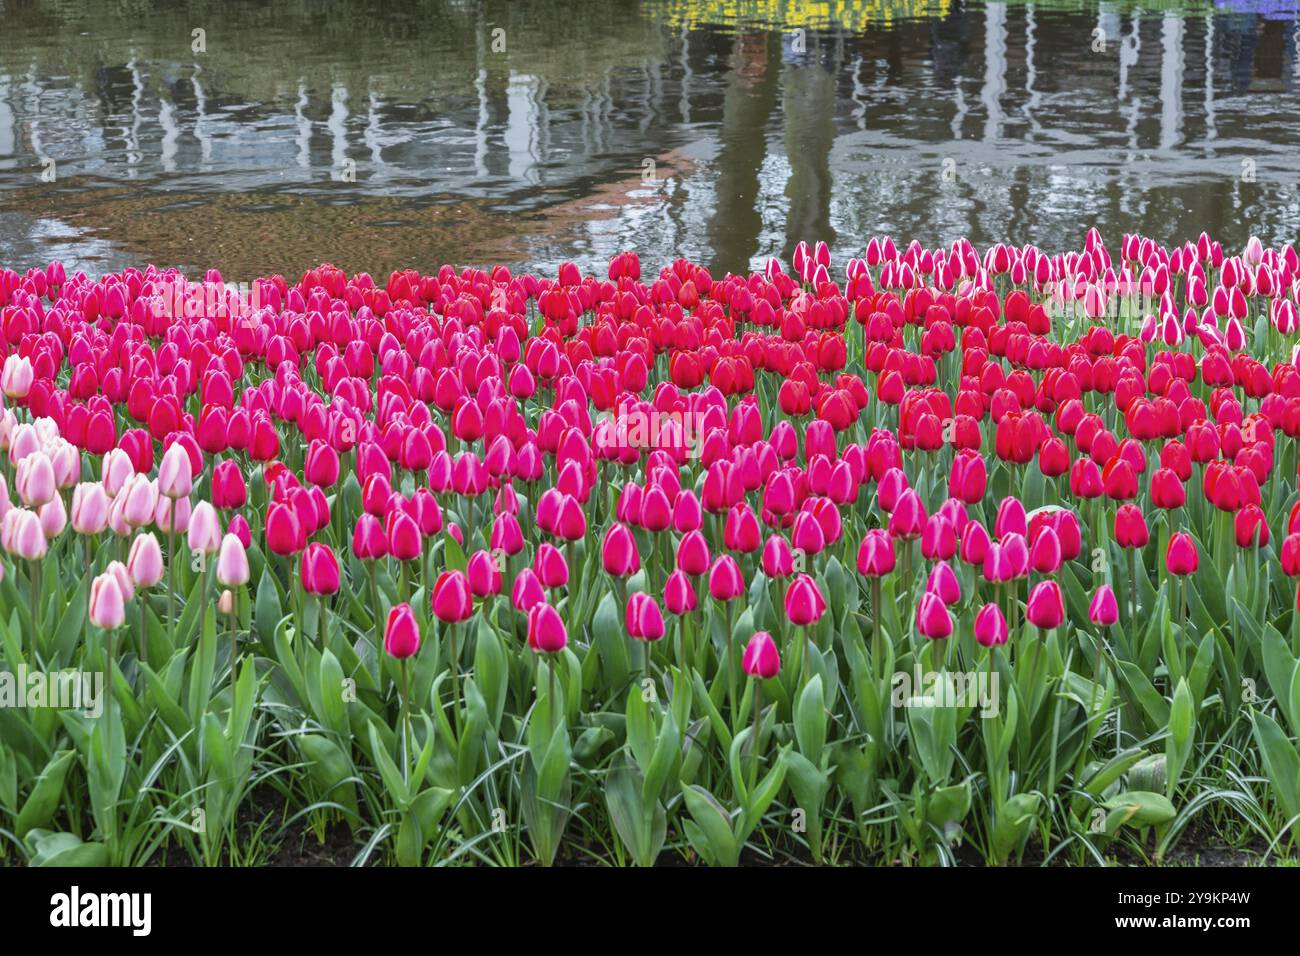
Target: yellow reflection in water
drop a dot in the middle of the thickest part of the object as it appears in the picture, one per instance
(793, 14)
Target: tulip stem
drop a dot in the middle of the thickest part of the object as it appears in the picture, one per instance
(877, 657)
(551, 693)
(108, 698)
(1132, 583)
(377, 615)
(731, 665)
(455, 678)
(753, 738)
(171, 582)
(406, 723)
(234, 645)
(36, 600)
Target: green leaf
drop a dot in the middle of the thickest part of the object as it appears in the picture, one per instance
(810, 720)
(267, 610)
(1140, 808)
(46, 796)
(1280, 760)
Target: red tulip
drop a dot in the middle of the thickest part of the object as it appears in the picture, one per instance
(1130, 527)
(1251, 527)
(402, 632)
(322, 464)
(1181, 557)
(284, 533)
(319, 569)
(1045, 608)
(451, 598)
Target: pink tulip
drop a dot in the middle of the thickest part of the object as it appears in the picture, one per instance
(546, 631)
(483, 574)
(619, 553)
(761, 658)
(204, 532)
(932, 618)
(804, 604)
(107, 607)
(232, 562)
(115, 471)
(145, 561)
(943, 582)
(679, 593)
(25, 537)
(140, 501)
(550, 566)
(526, 591)
(123, 576)
(1104, 609)
(645, 622)
(175, 479)
(876, 556)
(89, 508)
(54, 517)
(17, 377)
(725, 581)
(990, 626)
(34, 480)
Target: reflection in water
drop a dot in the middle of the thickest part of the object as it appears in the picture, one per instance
(808, 115)
(1171, 81)
(748, 103)
(520, 132)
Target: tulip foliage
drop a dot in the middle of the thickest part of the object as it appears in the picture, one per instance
(956, 556)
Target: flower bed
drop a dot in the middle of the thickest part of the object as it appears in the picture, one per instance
(969, 556)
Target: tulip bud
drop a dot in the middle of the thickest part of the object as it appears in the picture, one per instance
(319, 569)
(107, 607)
(1104, 609)
(619, 552)
(1045, 608)
(761, 658)
(679, 594)
(401, 632)
(145, 561)
(452, 600)
(932, 618)
(89, 508)
(990, 626)
(483, 574)
(546, 632)
(232, 562)
(644, 620)
(175, 479)
(1181, 557)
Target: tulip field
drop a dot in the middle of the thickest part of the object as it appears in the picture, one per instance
(937, 556)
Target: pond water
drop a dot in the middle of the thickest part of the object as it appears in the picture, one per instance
(382, 136)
